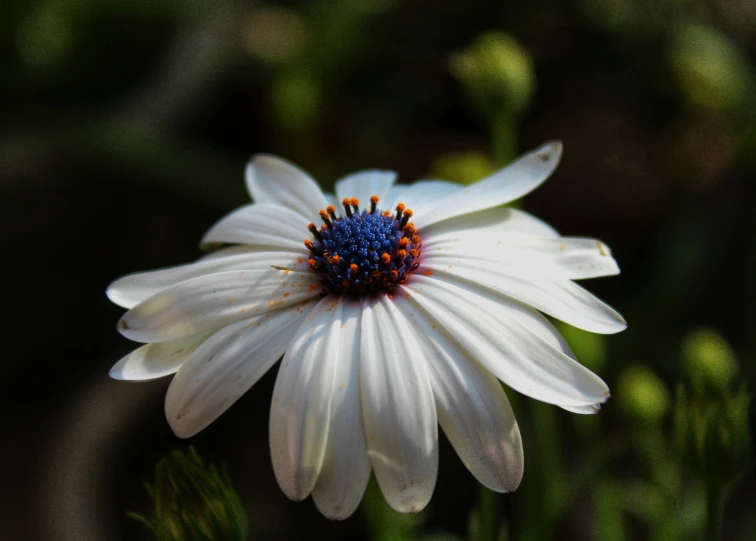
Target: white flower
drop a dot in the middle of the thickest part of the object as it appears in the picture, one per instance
(387, 326)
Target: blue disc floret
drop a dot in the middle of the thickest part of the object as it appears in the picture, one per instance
(363, 252)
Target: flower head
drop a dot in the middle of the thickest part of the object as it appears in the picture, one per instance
(397, 313)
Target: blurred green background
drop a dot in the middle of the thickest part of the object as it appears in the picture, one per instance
(124, 129)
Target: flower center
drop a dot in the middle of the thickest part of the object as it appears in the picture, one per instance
(363, 253)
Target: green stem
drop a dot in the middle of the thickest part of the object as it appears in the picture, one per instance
(714, 497)
(489, 514)
(503, 138)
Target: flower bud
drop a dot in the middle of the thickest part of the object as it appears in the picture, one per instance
(497, 73)
(708, 360)
(709, 69)
(193, 502)
(642, 394)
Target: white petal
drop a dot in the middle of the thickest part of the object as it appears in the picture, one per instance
(570, 258)
(364, 184)
(134, 288)
(263, 224)
(472, 407)
(517, 179)
(584, 410)
(300, 413)
(157, 360)
(398, 408)
(215, 300)
(551, 294)
(273, 180)
(231, 250)
(223, 368)
(421, 196)
(346, 466)
(516, 344)
(493, 221)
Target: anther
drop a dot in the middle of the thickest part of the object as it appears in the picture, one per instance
(310, 246)
(332, 211)
(325, 218)
(373, 203)
(401, 254)
(393, 274)
(347, 208)
(314, 230)
(399, 210)
(353, 267)
(385, 258)
(404, 242)
(414, 253)
(355, 205)
(407, 215)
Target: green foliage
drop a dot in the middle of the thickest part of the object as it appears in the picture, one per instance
(193, 502)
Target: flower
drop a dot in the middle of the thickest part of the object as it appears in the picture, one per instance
(397, 314)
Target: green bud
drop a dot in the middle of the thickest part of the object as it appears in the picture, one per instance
(708, 360)
(467, 167)
(709, 69)
(497, 73)
(642, 394)
(193, 502)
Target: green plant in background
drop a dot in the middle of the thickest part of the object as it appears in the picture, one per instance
(711, 419)
(192, 501)
(498, 76)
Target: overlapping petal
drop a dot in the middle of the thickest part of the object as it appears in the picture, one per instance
(421, 196)
(271, 179)
(227, 365)
(472, 407)
(134, 288)
(364, 184)
(517, 179)
(492, 221)
(346, 466)
(571, 258)
(300, 412)
(397, 406)
(215, 300)
(548, 292)
(157, 360)
(515, 343)
(260, 224)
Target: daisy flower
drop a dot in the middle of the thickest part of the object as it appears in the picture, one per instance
(396, 308)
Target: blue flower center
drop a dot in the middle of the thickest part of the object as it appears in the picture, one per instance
(363, 252)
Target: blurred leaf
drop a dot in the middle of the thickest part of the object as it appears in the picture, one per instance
(193, 502)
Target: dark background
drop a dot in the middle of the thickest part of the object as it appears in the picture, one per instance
(124, 130)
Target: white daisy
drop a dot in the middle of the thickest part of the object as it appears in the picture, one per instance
(389, 321)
